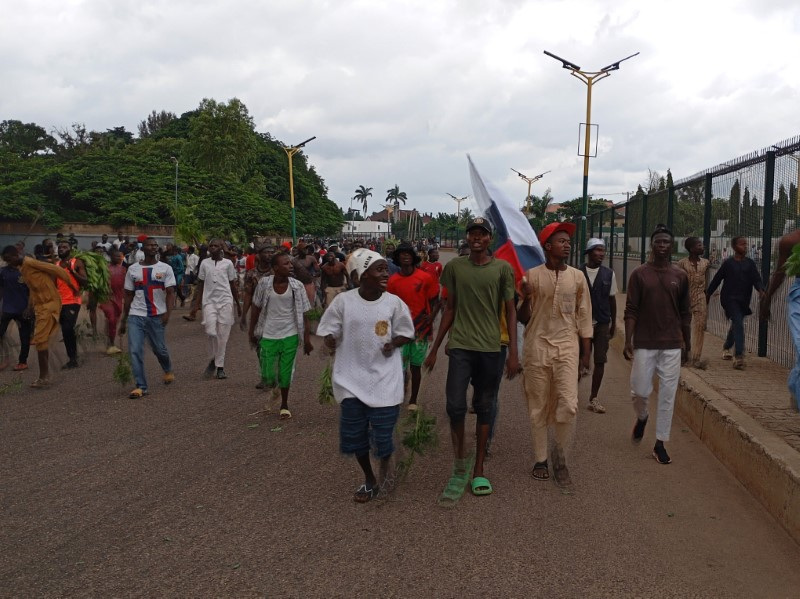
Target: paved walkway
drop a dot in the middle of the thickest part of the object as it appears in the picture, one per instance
(759, 390)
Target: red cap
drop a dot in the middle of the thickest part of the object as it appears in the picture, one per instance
(287, 245)
(142, 238)
(554, 228)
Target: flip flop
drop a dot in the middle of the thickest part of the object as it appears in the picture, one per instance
(453, 491)
(285, 414)
(458, 482)
(40, 384)
(481, 486)
(188, 318)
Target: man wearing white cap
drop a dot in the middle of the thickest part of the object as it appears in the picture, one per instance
(366, 326)
(602, 288)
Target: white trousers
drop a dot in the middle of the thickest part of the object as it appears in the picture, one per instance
(666, 363)
(217, 321)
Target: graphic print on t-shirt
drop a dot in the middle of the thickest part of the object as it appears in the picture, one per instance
(148, 285)
(381, 328)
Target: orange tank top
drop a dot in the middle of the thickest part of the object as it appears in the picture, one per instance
(67, 295)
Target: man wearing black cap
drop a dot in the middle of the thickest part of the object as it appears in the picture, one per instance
(479, 287)
(420, 292)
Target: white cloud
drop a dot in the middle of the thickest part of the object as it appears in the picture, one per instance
(399, 92)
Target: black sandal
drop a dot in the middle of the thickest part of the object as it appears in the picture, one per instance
(540, 471)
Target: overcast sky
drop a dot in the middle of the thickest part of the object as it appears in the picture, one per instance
(399, 92)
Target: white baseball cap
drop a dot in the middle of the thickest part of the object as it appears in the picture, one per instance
(593, 243)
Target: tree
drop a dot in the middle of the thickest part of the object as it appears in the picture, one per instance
(536, 209)
(732, 228)
(394, 196)
(222, 139)
(780, 212)
(655, 182)
(25, 139)
(110, 177)
(362, 193)
(73, 140)
(155, 122)
(573, 209)
(465, 216)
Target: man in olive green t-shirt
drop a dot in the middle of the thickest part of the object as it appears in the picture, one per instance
(478, 288)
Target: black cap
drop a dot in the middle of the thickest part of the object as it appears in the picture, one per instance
(405, 247)
(481, 223)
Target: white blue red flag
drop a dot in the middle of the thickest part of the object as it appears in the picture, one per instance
(516, 241)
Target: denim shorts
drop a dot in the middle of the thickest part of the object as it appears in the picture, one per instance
(362, 427)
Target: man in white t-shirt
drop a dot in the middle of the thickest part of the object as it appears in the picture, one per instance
(278, 320)
(365, 326)
(105, 243)
(602, 288)
(217, 292)
(149, 297)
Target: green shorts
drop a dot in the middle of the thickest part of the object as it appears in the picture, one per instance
(414, 353)
(277, 360)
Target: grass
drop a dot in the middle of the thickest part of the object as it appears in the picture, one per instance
(418, 432)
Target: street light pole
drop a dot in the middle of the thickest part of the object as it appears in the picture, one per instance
(175, 160)
(458, 203)
(589, 78)
(530, 181)
(290, 152)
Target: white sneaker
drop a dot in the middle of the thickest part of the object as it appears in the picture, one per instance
(596, 407)
(727, 355)
(113, 350)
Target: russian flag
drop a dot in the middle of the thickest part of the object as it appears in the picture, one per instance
(516, 240)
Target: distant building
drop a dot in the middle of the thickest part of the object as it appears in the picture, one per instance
(365, 228)
(400, 216)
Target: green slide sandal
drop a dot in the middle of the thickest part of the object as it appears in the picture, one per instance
(481, 486)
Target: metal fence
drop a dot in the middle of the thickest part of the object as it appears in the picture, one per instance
(755, 196)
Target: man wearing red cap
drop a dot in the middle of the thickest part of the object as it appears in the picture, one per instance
(557, 311)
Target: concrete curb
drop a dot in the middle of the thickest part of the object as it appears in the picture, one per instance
(763, 462)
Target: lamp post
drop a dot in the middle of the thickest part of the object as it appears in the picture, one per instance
(290, 152)
(175, 160)
(589, 78)
(530, 181)
(458, 203)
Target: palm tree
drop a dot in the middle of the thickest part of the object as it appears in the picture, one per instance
(536, 209)
(465, 216)
(395, 196)
(362, 193)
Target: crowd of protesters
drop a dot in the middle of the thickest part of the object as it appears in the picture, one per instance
(379, 304)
